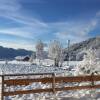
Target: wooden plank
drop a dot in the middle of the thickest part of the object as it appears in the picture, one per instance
(78, 87)
(28, 74)
(27, 92)
(49, 90)
(49, 80)
(27, 81)
(78, 79)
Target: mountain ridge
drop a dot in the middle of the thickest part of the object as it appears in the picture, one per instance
(10, 53)
(79, 48)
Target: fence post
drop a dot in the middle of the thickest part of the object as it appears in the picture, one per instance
(2, 88)
(53, 82)
(92, 80)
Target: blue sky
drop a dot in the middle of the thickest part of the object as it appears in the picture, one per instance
(23, 22)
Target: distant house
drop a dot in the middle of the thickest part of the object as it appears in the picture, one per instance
(22, 58)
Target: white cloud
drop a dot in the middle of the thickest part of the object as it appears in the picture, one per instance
(9, 5)
(13, 9)
(98, 14)
(16, 32)
(64, 37)
(16, 45)
(76, 31)
(30, 26)
(25, 31)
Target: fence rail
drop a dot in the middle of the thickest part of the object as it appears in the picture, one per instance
(50, 78)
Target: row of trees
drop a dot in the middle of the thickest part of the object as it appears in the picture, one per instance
(55, 51)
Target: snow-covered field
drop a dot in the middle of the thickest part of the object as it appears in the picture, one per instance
(25, 69)
(14, 67)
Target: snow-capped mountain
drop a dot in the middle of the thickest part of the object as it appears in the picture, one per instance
(76, 51)
(10, 53)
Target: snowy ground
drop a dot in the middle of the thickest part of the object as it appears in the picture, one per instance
(68, 95)
(13, 67)
(26, 67)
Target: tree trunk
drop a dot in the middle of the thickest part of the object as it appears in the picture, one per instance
(56, 62)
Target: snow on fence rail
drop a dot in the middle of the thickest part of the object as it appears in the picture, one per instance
(50, 78)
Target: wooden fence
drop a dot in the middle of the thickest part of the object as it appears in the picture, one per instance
(50, 78)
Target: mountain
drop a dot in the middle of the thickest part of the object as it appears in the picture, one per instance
(9, 53)
(77, 51)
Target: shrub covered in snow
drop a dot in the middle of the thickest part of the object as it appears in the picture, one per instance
(90, 64)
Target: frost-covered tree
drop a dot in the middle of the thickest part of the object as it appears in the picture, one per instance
(62, 57)
(90, 64)
(39, 50)
(56, 52)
